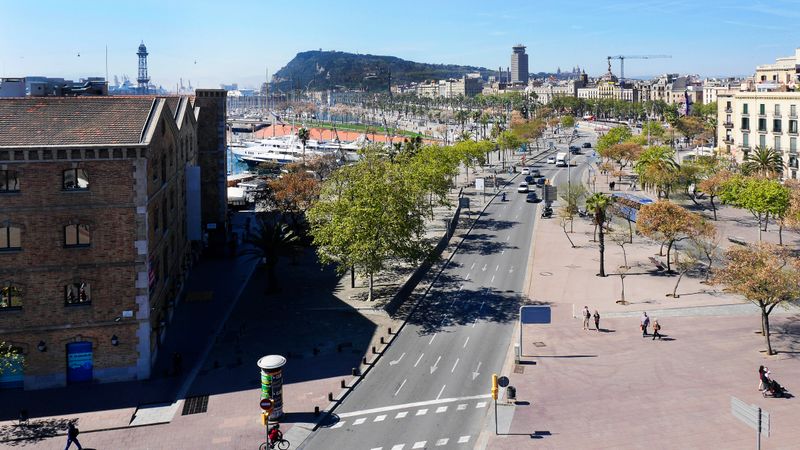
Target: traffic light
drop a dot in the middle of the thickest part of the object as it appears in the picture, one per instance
(494, 386)
(264, 418)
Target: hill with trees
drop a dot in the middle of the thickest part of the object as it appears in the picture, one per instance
(318, 70)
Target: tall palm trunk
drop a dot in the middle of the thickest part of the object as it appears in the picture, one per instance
(602, 251)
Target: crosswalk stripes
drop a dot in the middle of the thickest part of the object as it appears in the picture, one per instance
(360, 421)
(442, 441)
(419, 444)
(441, 409)
(424, 444)
(380, 418)
(463, 439)
(401, 415)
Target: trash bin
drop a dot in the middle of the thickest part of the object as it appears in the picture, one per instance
(512, 393)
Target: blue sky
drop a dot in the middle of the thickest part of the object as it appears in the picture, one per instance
(236, 41)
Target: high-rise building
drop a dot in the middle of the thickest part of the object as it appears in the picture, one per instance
(519, 65)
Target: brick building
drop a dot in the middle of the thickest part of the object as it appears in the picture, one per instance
(94, 232)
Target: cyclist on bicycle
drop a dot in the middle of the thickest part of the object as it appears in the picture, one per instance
(275, 435)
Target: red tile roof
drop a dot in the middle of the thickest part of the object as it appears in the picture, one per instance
(59, 121)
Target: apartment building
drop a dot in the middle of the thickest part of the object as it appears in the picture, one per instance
(99, 208)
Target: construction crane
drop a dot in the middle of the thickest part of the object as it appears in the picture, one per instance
(622, 59)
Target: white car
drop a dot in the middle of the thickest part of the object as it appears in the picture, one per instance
(551, 160)
(526, 171)
(523, 187)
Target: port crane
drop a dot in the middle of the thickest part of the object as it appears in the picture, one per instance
(622, 59)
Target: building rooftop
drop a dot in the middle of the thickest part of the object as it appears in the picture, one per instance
(54, 121)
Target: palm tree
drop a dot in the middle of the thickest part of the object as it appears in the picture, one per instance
(598, 205)
(269, 242)
(765, 162)
(304, 135)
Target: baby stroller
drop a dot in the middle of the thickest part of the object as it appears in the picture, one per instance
(773, 389)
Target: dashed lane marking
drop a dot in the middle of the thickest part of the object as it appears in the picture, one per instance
(442, 441)
(412, 405)
(420, 444)
(401, 415)
(441, 409)
(454, 366)
(419, 359)
(421, 412)
(398, 447)
(465, 342)
(461, 407)
(338, 424)
(463, 439)
(431, 341)
(359, 421)
(380, 418)
(440, 392)
(481, 405)
(401, 387)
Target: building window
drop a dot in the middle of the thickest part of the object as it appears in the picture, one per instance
(793, 162)
(762, 140)
(745, 109)
(776, 126)
(793, 144)
(762, 109)
(777, 109)
(745, 140)
(745, 123)
(10, 238)
(793, 110)
(77, 294)
(76, 236)
(10, 296)
(793, 126)
(762, 124)
(76, 180)
(777, 146)
(9, 181)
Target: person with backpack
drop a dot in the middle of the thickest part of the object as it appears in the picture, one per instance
(645, 322)
(72, 436)
(586, 316)
(275, 435)
(656, 328)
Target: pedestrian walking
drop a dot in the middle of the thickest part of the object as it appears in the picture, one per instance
(656, 328)
(611, 185)
(586, 316)
(72, 436)
(596, 320)
(645, 322)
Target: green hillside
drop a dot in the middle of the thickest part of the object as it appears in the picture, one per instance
(318, 70)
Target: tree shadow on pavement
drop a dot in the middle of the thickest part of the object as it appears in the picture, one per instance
(465, 307)
(495, 225)
(483, 244)
(33, 431)
(785, 336)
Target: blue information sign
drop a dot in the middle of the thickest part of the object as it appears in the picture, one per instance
(79, 362)
(534, 314)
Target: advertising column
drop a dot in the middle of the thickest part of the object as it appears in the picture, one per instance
(272, 382)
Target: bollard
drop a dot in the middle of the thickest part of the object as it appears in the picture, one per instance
(343, 384)
(382, 341)
(364, 360)
(390, 331)
(355, 371)
(512, 393)
(373, 350)
(330, 396)
(316, 410)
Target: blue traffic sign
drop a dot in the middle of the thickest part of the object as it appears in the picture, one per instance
(529, 314)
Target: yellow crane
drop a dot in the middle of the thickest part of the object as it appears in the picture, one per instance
(622, 59)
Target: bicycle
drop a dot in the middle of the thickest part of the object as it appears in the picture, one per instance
(280, 444)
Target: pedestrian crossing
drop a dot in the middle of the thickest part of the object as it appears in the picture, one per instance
(357, 421)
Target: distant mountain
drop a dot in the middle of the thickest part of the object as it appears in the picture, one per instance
(317, 70)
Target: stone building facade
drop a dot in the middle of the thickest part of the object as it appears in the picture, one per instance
(94, 244)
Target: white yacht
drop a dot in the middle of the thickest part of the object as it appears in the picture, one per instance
(289, 149)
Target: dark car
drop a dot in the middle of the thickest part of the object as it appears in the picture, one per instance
(540, 181)
(575, 150)
(535, 173)
(529, 179)
(587, 145)
(532, 197)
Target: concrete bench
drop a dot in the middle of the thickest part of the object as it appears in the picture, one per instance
(737, 240)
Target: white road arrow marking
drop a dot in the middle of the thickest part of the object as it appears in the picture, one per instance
(391, 363)
(436, 365)
(476, 373)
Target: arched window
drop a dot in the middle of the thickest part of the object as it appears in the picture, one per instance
(10, 296)
(76, 180)
(10, 237)
(77, 294)
(77, 235)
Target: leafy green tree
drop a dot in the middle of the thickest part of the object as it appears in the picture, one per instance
(764, 162)
(370, 212)
(598, 205)
(760, 196)
(763, 274)
(668, 222)
(657, 169)
(653, 131)
(571, 194)
(568, 122)
(270, 241)
(616, 135)
(691, 127)
(508, 140)
(713, 184)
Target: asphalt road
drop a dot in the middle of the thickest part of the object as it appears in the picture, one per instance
(431, 387)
